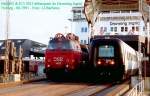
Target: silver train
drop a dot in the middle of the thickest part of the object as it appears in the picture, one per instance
(113, 58)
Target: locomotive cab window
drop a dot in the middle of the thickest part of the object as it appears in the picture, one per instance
(106, 51)
(60, 45)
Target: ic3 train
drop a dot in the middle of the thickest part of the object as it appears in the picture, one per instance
(113, 58)
(64, 55)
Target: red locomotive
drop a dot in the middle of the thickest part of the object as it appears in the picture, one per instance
(64, 55)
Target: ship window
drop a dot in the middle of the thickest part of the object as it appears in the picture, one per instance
(84, 41)
(115, 29)
(105, 29)
(143, 28)
(82, 29)
(77, 11)
(122, 29)
(133, 28)
(111, 29)
(101, 29)
(137, 28)
(81, 41)
(83, 11)
(85, 29)
(126, 29)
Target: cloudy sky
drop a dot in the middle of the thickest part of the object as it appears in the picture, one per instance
(36, 24)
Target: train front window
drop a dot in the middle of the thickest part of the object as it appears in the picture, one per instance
(60, 45)
(106, 51)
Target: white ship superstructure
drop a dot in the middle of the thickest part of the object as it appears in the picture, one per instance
(119, 23)
(79, 24)
(108, 23)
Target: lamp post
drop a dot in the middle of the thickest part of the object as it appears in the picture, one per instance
(7, 19)
(6, 64)
(139, 45)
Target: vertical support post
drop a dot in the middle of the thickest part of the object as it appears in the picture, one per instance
(139, 43)
(20, 60)
(91, 32)
(148, 35)
(139, 46)
(21, 64)
(6, 64)
(140, 7)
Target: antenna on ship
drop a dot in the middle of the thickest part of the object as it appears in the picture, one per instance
(66, 27)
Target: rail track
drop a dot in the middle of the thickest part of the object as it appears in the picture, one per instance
(48, 88)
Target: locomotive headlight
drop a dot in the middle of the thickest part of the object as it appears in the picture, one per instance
(73, 60)
(99, 62)
(112, 62)
(48, 65)
(67, 66)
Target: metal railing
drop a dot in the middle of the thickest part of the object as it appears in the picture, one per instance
(137, 90)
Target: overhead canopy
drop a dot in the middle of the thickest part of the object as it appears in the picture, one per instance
(93, 7)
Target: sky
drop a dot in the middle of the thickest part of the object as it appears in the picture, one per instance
(36, 24)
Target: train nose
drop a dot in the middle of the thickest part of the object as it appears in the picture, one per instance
(67, 66)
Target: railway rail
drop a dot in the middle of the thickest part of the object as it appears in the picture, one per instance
(48, 88)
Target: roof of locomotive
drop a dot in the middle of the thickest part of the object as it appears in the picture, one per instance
(61, 38)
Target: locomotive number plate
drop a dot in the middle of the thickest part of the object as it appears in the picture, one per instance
(58, 59)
